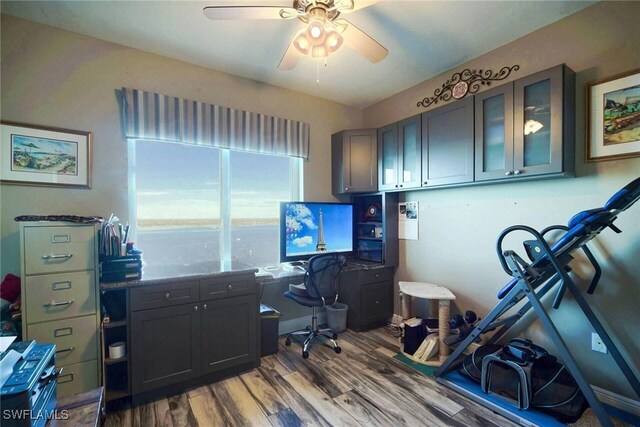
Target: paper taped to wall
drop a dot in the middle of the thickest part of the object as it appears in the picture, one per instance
(408, 220)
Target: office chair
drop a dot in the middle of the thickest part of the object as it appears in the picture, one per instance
(320, 288)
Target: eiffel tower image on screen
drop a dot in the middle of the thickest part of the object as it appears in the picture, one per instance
(321, 246)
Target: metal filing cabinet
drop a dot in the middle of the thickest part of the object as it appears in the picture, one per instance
(61, 299)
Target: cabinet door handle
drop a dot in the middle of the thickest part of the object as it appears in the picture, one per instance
(62, 350)
(167, 295)
(396, 185)
(507, 173)
(58, 256)
(204, 306)
(229, 287)
(377, 276)
(346, 188)
(400, 185)
(377, 302)
(59, 303)
(195, 308)
(425, 183)
(517, 172)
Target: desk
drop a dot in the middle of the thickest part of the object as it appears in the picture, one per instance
(83, 410)
(433, 292)
(367, 288)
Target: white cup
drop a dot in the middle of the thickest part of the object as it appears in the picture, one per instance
(117, 350)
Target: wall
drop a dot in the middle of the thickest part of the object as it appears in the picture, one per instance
(459, 226)
(57, 78)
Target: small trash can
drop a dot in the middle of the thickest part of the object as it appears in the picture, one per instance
(337, 316)
(269, 322)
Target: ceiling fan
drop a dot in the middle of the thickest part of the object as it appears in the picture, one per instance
(323, 32)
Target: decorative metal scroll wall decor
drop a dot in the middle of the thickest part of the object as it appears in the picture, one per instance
(464, 82)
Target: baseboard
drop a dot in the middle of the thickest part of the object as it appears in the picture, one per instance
(298, 323)
(617, 401)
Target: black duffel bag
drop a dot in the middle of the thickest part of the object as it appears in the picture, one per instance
(552, 388)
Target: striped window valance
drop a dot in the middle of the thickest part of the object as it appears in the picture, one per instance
(148, 115)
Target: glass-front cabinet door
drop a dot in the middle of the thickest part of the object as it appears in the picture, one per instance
(538, 123)
(494, 133)
(409, 152)
(388, 157)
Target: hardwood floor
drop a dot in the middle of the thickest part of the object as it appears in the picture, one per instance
(362, 386)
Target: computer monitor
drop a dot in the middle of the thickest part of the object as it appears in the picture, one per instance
(311, 228)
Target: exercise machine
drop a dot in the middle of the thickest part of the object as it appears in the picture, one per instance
(548, 269)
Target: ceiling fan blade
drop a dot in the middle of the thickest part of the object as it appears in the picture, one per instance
(361, 42)
(290, 58)
(222, 13)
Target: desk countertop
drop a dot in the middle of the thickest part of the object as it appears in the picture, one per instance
(286, 272)
(172, 274)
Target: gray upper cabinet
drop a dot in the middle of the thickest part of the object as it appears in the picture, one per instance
(388, 157)
(354, 156)
(447, 144)
(399, 163)
(494, 133)
(525, 128)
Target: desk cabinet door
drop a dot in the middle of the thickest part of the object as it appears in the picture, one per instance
(164, 346)
(228, 334)
(376, 302)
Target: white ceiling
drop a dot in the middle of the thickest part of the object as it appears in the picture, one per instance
(424, 38)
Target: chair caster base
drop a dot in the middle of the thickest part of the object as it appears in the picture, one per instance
(337, 350)
(305, 354)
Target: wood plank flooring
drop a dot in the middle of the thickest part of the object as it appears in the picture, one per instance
(362, 386)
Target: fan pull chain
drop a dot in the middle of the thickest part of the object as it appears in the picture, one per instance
(318, 70)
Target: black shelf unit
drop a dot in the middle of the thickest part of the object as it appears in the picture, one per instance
(115, 372)
(376, 227)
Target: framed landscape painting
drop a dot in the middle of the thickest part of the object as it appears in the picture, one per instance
(38, 155)
(613, 117)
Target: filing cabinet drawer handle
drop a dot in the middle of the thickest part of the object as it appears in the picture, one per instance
(60, 286)
(63, 332)
(59, 256)
(58, 303)
(63, 350)
(60, 238)
(60, 377)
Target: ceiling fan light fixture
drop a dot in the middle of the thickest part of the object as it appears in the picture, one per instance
(319, 51)
(302, 44)
(334, 41)
(316, 32)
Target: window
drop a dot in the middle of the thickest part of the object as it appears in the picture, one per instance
(196, 206)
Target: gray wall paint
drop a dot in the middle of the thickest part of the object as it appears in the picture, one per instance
(57, 78)
(459, 227)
